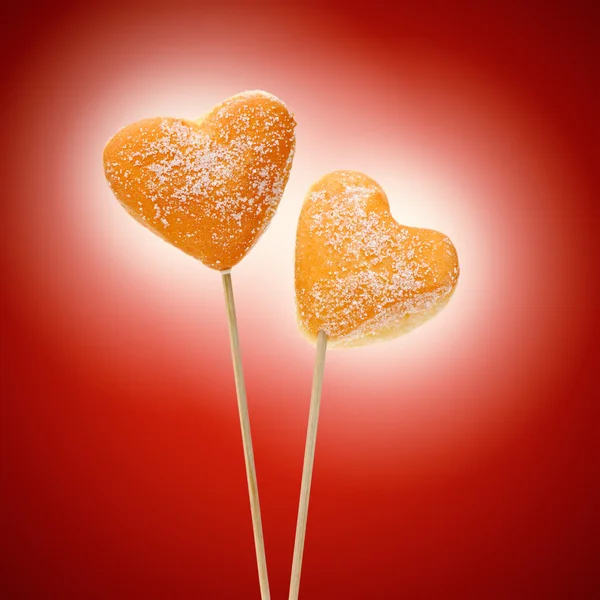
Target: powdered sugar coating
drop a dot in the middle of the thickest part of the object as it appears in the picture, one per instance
(360, 276)
(211, 187)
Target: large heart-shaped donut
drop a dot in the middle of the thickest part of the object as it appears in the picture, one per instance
(360, 276)
(209, 187)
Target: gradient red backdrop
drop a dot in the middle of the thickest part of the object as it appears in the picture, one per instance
(460, 461)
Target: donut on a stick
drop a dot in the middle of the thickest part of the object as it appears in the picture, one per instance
(210, 188)
(360, 277)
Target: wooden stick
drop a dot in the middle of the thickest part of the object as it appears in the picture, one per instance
(309, 459)
(240, 387)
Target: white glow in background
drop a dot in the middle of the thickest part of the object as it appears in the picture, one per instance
(443, 149)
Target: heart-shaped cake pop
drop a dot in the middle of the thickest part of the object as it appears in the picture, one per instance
(360, 276)
(209, 187)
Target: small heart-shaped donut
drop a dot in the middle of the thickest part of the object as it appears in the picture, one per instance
(209, 187)
(360, 276)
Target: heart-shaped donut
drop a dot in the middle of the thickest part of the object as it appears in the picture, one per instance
(209, 187)
(360, 276)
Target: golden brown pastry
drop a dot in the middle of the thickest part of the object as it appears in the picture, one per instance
(360, 276)
(209, 187)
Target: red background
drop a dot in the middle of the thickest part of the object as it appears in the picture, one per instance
(457, 462)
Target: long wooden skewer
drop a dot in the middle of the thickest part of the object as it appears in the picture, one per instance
(240, 387)
(309, 459)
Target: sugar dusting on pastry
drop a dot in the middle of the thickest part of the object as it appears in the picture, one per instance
(360, 276)
(209, 188)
